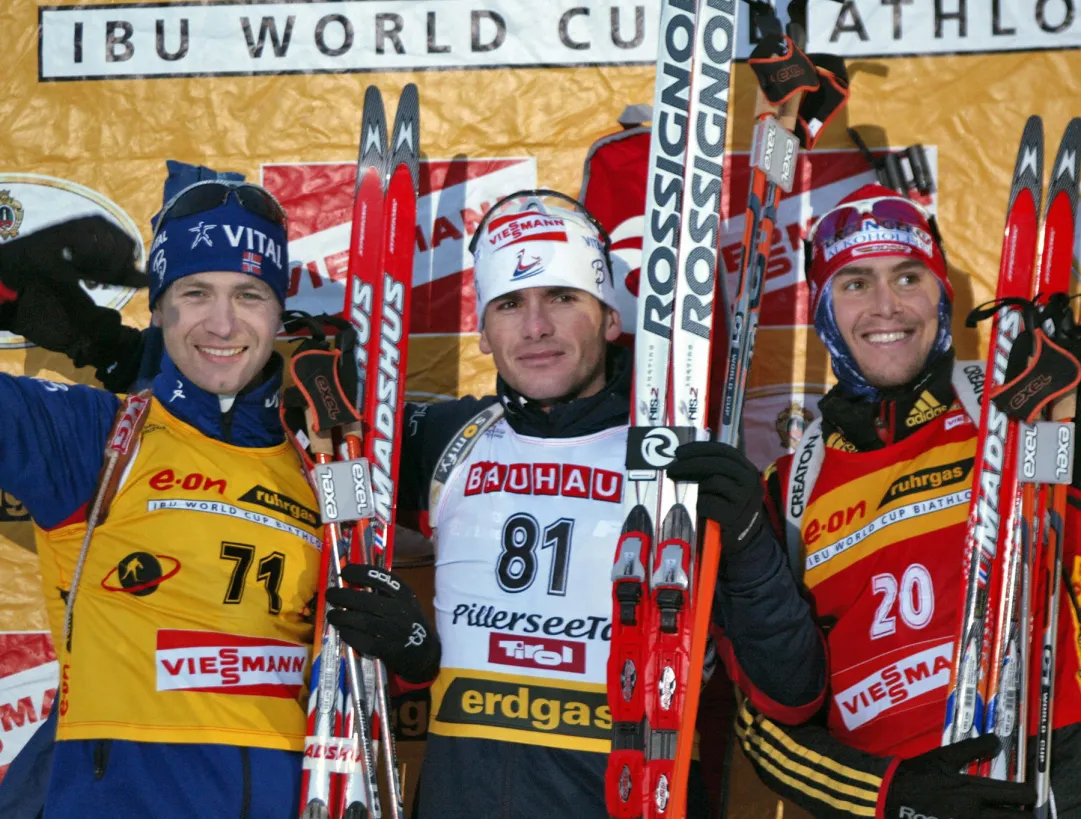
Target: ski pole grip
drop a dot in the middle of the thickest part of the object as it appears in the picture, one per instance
(320, 440)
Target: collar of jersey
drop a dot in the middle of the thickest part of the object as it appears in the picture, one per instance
(854, 416)
(251, 422)
(579, 417)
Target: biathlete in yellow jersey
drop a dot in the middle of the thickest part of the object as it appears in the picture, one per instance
(182, 631)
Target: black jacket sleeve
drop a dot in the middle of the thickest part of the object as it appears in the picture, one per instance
(769, 640)
(808, 766)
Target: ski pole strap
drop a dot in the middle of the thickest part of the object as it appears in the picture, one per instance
(123, 437)
(967, 379)
(120, 448)
(821, 105)
(316, 375)
(1045, 373)
(459, 448)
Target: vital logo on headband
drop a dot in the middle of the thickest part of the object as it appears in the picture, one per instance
(243, 237)
(228, 238)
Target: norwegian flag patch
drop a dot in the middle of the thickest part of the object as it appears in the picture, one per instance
(251, 262)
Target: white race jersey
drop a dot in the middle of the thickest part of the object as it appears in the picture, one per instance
(526, 531)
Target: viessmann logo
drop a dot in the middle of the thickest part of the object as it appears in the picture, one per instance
(218, 663)
(898, 682)
(537, 652)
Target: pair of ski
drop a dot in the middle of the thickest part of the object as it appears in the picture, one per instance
(353, 398)
(662, 587)
(1015, 525)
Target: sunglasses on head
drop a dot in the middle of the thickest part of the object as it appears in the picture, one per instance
(212, 193)
(887, 211)
(535, 197)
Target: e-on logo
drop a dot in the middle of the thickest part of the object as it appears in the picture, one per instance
(140, 573)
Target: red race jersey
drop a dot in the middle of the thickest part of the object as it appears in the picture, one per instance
(882, 550)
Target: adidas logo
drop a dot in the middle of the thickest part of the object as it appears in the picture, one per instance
(926, 408)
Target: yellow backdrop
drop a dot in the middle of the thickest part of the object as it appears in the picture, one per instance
(96, 98)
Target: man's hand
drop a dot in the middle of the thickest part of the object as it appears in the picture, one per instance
(382, 618)
(730, 489)
(931, 785)
(90, 248)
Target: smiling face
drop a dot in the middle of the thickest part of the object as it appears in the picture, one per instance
(887, 311)
(219, 328)
(549, 343)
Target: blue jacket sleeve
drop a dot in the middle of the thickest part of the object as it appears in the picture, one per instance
(52, 444)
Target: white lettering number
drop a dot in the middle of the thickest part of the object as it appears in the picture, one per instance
(916, 604)
(884, 624)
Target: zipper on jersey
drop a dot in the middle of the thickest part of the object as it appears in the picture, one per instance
(101, 757)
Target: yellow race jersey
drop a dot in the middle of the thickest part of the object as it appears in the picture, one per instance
(191, 617)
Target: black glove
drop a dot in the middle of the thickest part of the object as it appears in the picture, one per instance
(90, 248)
(930, 785)
(386, 622)
(41, 300)
(729, 488)
(59, 316)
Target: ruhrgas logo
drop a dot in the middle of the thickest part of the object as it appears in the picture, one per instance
(537, 652)
(932, 477)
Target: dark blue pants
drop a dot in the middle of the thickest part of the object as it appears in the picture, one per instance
(104, 779)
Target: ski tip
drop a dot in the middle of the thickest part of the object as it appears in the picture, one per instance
(405, 143)
(638, 520)
(373, 134)
(373, 98)
(1064, 173)
(1028, 171)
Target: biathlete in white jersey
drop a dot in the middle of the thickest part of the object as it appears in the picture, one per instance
(523, 493)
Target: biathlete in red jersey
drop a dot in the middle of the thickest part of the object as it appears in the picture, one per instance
(875, 504)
